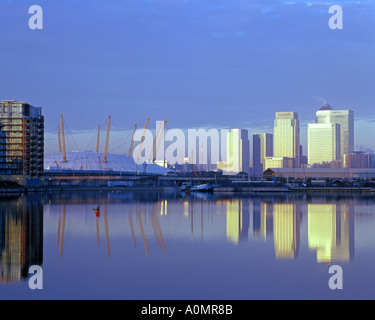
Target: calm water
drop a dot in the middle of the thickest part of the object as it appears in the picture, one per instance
(172, 246)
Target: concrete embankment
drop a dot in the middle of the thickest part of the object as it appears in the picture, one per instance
(218, 190)
(21, 190)
(333, 190)
(294, 190)
(249, 189)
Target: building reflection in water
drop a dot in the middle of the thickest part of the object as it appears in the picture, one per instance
(331, 231)
(138, 213)
(286, 230)
(151, 212)
(280, 220)
(21, 237)
(262, 219)
(238, 220)
(329, 227)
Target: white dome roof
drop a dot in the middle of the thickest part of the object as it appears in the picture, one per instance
(93, 161)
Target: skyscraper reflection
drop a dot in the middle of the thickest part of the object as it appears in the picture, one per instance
(331, 231)
(286, 230)
(329, 228)
(238, 219)
(262, 219)
(234, 223)
(21, 236)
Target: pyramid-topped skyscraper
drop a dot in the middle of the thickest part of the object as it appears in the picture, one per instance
(326, 107)
(331, 136)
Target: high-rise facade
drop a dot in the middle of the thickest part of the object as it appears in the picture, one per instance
(323, 142)
(23, 126)
(357, 159)
(2, 150)
(278, 162)
(238, 152)
(345, 119)
(262, 148)
(286, 136)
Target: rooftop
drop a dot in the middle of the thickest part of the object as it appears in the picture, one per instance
(326, 107)
(92, 161)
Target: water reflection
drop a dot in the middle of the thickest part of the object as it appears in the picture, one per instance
(148, 217)
(154, 221)
(282, 221)
(286, 230)
(21, 236)
(331, 231)
(168, 245)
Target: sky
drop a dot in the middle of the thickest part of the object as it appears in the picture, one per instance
(196, 63)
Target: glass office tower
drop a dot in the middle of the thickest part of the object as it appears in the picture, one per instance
(262, 148)
(344, 118)
(286, 136)
(238, 151)
(323, 142)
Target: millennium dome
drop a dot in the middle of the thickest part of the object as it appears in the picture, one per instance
(88, 161)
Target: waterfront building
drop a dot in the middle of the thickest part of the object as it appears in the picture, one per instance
(357, 159)
(345, 119)
(262, 148)
(322, 173)
(2, 151)
(323, 142)
(92, 163)
(278, 162)
(372, 160)
(23, 125)
(238, 152)
(286, 136)
(303, 158)
(326, 164)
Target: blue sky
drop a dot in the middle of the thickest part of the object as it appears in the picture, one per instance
(197, 63)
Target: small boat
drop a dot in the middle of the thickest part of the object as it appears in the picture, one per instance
(202, 188)
(185, 187)
(97, 211)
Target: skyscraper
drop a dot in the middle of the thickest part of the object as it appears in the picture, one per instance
(262, 148)
(238, 152)
(344, 118)
(3, 140)
(23, 125)
(323, 142)
(286, 136)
